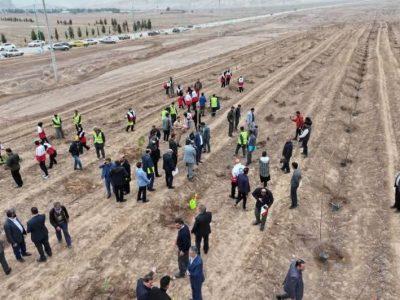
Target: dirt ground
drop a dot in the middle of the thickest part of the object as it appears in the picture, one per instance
(340, 66)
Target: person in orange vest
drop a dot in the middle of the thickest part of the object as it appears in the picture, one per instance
(299, 120)
(52, 152)
(40, 156)
(41, 133)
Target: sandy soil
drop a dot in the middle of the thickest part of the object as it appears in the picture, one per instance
(339, 66)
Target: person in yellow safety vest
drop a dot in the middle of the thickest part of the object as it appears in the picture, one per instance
(173, 111)
(131, 117)
(57, 123)
(214, 105)
(148, 167)
(99, 140)
(77, 119)
(242, 141)
(164, 112)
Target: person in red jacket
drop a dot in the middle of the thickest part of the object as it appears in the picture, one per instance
(40, 156)
(181, 101)
(51, 151)
(299, 120)
(41, 133)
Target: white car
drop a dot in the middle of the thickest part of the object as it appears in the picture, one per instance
(12, 53)
(8, 46)
(36, 43)
(91, 41)
(108, 40)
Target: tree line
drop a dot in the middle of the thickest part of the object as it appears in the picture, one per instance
(64, 22)
(10, 19)
(60, 10)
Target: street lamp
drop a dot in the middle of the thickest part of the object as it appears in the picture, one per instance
(53, 57)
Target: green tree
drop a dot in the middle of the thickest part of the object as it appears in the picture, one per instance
(3, 38)
(109, 30)
(98, 31)
(71, 32)
(56, 34)
(103, 29)
(105, 21)
(33, 35)
(66, 34)
(87, 32)
(40, 36)
(93, 31)
(119, 29)
(149, 24)
(101, 22)
(70, 22)
(79, 32)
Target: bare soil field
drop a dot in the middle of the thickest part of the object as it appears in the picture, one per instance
(339, 65)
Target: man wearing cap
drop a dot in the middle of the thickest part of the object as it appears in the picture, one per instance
(293, 284)
(144, 286)
(264, 200)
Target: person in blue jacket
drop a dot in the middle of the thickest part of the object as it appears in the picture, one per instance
(243, 187)
(202, 103)
(195, 270)
(106, 168)
(142, 181)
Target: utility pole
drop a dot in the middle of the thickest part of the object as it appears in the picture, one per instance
(37, 28)
(133, 19)
(53, 57)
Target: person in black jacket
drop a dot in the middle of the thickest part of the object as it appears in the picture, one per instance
(74, 150)
(304, 137)
(183, 243)
(15, 231)
(127, 167)
(201, 228)
(264, 200)
(59, 218)
(173, 145)
(118, 179)
(144, 286)
(237, 116)
(161, 293)
(286, 155)
(3, 261)
(12, 164)
(169, 167)
(39, 234)
(155, 157)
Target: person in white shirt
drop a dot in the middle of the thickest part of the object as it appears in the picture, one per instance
(236, 170)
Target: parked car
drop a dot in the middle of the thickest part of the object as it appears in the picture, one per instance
(124, 37)
(78, 43)
(12, 53)
(176, 30)
(108, 40)
(59, 47)
(36, 43)
(91, 41)
(153, 33)
(65, 44)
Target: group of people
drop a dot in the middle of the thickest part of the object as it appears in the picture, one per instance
(15, 233)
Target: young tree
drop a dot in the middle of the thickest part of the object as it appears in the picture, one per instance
(40, 36)
(93, 31)
(103, 29)
(119, 29)
(87, 32)
(98, 31)
(3, 38)
(149, 24)
(66, 34)
(71, 32)
(70, 22)
(138, 25)
(105, 21)
(56, 34)
(101, 22)
(109, 30)
(33, 35)
(79, 32)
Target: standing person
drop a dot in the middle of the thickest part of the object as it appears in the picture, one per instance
(228, 77)
(161, 293)
(242, 141)
(241, 84)
(131, 120)
(236, 170)
(106, 176)
(183, 243)
(42, 133)
(142, 182)
(214, 105)
(243, 187)
(201, 228)
(237, 116)
(74, 151)
(293, 284)
(77, 119)
(231, 121)
(126, 165)
(250, 119)
(12, 164)
(118, 176)
(3, 261)
(286, 155)
(195, 270)
(173, 112)
(40, 156)
(179, 90)
(195, 99)
(39, 234)
(181, 101)
(155, 136)
(263, 164)
(57, 124)
(222, 79)
(59, 219)
(305, 136)
(15, 231)
(169, 166)
(202, 103)
(155, 155)
(52, 152)
(264, 200)
(179, 129)
(198, 142)
(397, 193)
(251, 147)
(189, 158)
(144, 286)
(148, 167)
(99, 140)
(198, 86)
(171, 90)
(174, 147)
(294, 184)
(206, 133)
(188, 100)
(299, 120)
(82, 139)
(166, 126)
